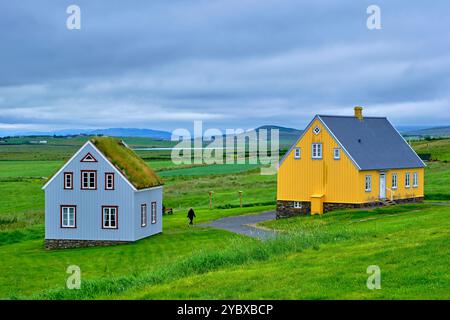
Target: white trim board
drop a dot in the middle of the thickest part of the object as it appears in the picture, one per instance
(65, 165)
(146, 189)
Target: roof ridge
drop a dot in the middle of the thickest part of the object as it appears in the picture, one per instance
(344, 116)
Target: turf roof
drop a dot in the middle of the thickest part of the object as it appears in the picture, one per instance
(128, 162)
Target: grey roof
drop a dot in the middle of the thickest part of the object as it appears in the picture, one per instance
(373, 142)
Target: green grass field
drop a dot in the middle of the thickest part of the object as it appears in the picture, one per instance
(439, 149)
(315, 257)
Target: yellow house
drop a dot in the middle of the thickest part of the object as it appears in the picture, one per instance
(348, 162)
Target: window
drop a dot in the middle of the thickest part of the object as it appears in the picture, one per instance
(68, 216)
(316, 130)
(297, 205)
(297, 153)
(368, 186)
(337, 153)
(316, 151)
(88, 158)
(153, 212)
(88, 179)
(394, 181)
(407, 180)
(109, 181)
(68, 180)
(110, 217)
(415, 180)
(143, 215)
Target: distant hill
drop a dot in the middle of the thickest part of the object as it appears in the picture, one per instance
(113, 132)
(433, 132)
(288, 136)
(437, 149)
(131, 132)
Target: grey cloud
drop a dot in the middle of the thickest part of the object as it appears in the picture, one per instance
(162, 64)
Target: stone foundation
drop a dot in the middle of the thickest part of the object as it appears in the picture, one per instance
(285, 209)
(330, 206)
(69, 243)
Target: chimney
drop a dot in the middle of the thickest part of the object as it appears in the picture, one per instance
(358, 112)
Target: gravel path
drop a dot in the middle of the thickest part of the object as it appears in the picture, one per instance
(245, 225)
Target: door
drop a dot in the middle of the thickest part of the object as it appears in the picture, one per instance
(382, 186)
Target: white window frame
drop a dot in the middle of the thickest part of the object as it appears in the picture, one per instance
(394, 181)
(90, 185)
(143, 215)
(316, 130)
(316, 150)
(415, 179)
(337, 153)
(154, 208)
(407, 180)
(66, 222)
(108, 212)
(297, 205)
(368, 183)
(109, 179)
(297, 153)
(68, 186)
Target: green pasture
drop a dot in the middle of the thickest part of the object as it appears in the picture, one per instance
(314, 258)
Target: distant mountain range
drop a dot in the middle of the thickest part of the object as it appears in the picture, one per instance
(287, 135)
(113, 132)
(130, 132)
(433, 132)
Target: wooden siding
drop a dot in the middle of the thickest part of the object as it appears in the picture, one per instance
(402, 191)
(89, 204)
(340, 181)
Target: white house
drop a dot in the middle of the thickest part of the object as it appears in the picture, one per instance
(105, 194)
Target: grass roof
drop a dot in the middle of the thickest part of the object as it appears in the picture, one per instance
(127, 162)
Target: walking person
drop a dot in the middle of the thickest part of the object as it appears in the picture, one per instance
(191, 216)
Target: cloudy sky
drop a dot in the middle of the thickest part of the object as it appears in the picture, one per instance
(231, 63)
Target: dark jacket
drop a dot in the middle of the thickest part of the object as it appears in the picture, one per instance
(191, 214)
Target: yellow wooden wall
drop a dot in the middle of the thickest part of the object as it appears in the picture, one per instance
(299, 179)
(402, 192)
(339, 180)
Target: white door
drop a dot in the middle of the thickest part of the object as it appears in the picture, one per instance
(382, 186)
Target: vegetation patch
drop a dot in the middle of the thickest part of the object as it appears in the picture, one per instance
(201, 263)
(128, 162)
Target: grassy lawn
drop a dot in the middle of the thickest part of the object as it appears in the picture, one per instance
(31, 269)
(209, 170)
(35, 269)
(409, 244)
(437, 181)
(315, 257)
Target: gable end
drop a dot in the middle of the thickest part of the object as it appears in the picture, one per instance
(60, 171)
(317, 117)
